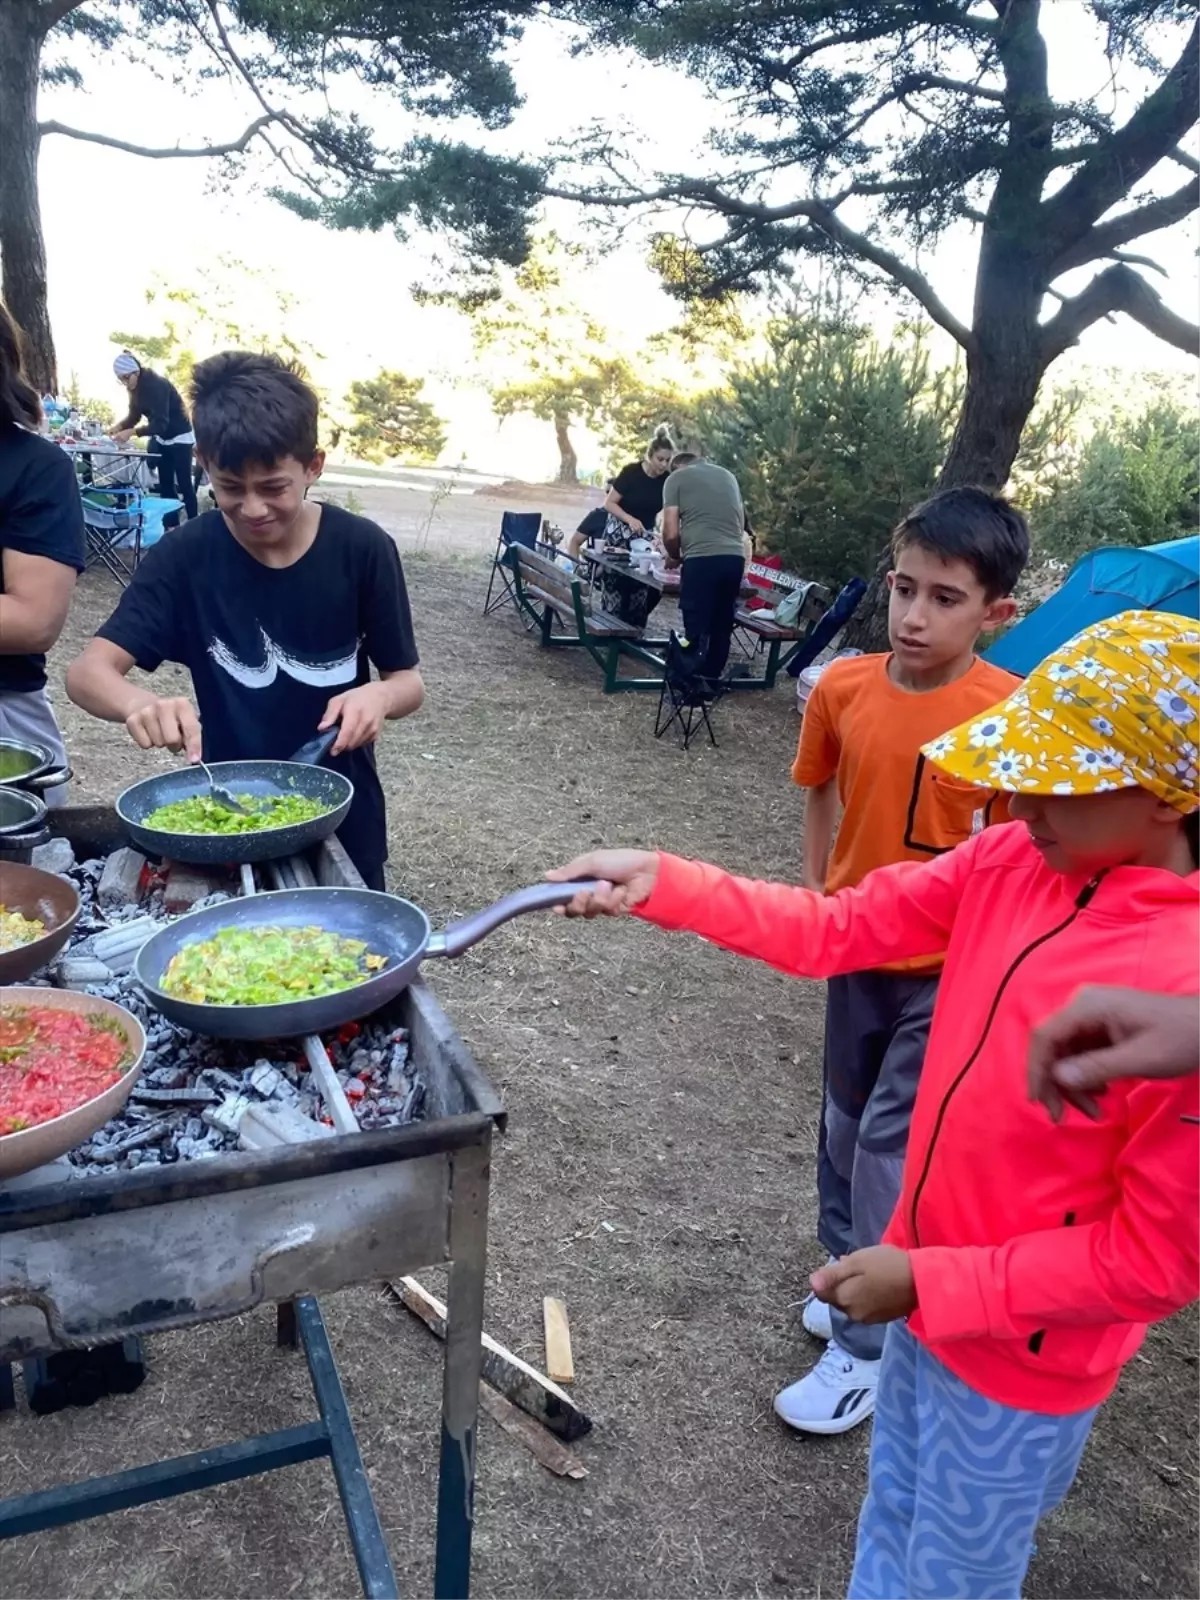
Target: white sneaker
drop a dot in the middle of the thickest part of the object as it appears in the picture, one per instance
(815, 1319)
(834, 1397)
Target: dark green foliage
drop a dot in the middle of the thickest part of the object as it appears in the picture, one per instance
(832, 438)
(391, 420)
(1135, 481)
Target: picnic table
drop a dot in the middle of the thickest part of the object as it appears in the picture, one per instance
(664, 580)
(110, 455)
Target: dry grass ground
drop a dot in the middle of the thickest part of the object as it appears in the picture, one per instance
(658, 1174)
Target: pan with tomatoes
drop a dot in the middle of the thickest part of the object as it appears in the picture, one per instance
(68, 1063)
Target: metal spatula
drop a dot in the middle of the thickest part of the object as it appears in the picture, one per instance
(221, 794)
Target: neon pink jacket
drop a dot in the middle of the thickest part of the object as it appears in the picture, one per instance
(1040, 1252)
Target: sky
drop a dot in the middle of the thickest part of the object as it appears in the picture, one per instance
(117, 224)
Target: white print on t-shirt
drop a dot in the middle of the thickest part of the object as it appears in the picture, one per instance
(317, 674)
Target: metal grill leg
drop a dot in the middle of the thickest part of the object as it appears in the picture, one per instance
(460, 1373)
(362, 1519)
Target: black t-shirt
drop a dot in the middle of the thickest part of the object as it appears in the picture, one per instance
(269, 647)
(641, 495)
(158, 400)
(40, 515)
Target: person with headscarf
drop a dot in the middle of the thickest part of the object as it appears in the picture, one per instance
(167, 426)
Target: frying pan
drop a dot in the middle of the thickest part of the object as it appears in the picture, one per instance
(262, 778)
(46, 1141)
(389, 926)
(47, 898)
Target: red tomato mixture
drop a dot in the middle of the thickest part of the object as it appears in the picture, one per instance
(52, 1061)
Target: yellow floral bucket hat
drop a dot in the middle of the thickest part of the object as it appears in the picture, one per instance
(1116, 707)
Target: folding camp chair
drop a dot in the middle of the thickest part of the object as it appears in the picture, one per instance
(113, 520)
(685, 700)
(516, 527)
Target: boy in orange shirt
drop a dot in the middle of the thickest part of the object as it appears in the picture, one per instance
(957, 560)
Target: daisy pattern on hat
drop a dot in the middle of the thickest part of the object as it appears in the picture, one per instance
(1116, 707)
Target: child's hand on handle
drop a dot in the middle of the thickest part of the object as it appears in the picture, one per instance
(872, 1285)
(362, 713)
(626, 878)
(167, 724)
(1111, 1033)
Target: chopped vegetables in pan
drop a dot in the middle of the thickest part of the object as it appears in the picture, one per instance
(266, 966)
(199, 813)
(16, 930)
(52, 1061)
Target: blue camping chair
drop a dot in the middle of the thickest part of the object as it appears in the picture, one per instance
(516, 527)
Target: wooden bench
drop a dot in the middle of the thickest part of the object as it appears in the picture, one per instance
(555, 601)
(765, 630)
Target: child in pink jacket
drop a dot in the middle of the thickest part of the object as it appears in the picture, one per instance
(1025, 1257)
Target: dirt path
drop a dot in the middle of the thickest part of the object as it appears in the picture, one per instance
(658, 1173)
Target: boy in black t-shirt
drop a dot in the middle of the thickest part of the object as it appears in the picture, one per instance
(276, 605)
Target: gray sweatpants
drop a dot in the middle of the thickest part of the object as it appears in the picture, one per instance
(876, 1028)
(31, 716)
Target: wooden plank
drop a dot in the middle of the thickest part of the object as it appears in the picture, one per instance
(527, 1388)
(559, 1361)
(551, 1452)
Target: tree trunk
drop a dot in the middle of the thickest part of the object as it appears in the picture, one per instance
(568, 461)
(1004, 369)
(22, 248)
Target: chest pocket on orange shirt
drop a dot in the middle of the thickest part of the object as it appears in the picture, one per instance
(943, 811)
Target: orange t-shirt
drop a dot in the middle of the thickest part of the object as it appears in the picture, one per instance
(862, 729)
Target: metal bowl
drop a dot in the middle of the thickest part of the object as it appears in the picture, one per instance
(21, 761)
(20, 813)
(49, 899)
(34, 1147)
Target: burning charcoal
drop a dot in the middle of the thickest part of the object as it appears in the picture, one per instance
(265, 1126)
(264, 1079)
(413, 1102)
(120, 876)
(169, 1077)
(217, 898)
(82, 972)
(118, 947)
(220, 1080)
(227, 1117)
(118, 1147)
(187, 1096)
(56, 856)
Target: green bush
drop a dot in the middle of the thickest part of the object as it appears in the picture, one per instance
(832, 437)
(1135, 481)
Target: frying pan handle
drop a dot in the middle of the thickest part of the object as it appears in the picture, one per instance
(315, 751)
(460, 936)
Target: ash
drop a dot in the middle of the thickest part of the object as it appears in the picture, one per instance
(197, 1097)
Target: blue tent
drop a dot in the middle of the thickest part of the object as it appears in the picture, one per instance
(1157, 577)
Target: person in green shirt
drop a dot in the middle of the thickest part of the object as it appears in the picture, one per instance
(704, 526)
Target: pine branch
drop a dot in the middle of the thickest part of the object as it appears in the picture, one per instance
(234, 147)
(1117, 288)
(1107, 237)
(1122, 159)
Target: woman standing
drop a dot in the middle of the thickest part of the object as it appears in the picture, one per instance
(167, 427)
(41, 554)
(633, 504)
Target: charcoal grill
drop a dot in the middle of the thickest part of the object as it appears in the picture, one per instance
(84, 1263)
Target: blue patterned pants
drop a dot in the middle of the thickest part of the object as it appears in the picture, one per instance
(957, 1484)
